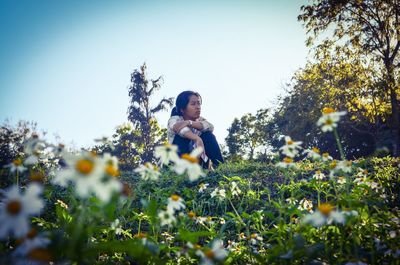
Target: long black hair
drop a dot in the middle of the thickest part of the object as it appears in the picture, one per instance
(182, 101)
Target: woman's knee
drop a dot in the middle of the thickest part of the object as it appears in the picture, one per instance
(207, 136)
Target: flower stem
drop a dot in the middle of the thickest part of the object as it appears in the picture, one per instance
(339, 144)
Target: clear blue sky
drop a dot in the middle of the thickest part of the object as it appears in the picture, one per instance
(67, 64)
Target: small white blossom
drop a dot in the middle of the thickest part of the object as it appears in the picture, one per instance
(189, 164)
(219, 193)
(306, 205)
(203, 187)
(329, 119)
(16, 208)
(319, 175)
(291, 148)
(235, 191)
(175, 202)
(166, 217)
(166, 153)
(148, 171)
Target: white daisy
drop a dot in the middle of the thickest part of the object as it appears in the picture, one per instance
(219, 193)
(148, 171)
(291, 148)
(166, 153)
(190, 164)
(287, 162)
(216, 253)
(313, 153)
(16, 208)
(90, 174)
(319, 175)
(329, 119)
(16, 166)
(203, 187)
(166, 217)
(305, 204)
(175, 202)
(235, 191)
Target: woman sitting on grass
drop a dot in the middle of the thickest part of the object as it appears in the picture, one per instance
(188, 130)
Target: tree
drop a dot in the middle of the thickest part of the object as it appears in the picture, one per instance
(247, 134)
(372, 28)
(146, 133)
(338, 79)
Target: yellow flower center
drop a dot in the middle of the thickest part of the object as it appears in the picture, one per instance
(141, 235)
(190, 158)
(327, 110)
(209, 219)
(14, 207)
(333, 164)
(175, 197)
(325, 208)
(197, 246)
(151, 166)
(17, 162)
(315, 150)
(326, 155)
(32, 233)
(112, 171)
(84, 166)
(191, 215)
(288, 160)
(40, 254)
(289, 142)
(37, 176)
(328, 122)
(209, 254)
(254, 236)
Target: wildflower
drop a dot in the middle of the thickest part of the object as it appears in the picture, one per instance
(33, 147)
(203, 187)
(291, 201)
(16, 208)
(190, 164)
(90, 175)
(286, 163)
(319, 175)
(290, 148)
(166, 217)
(166, 153)
(255, 238)
(313, 153)
(341, 180)
(235, 191)
(325, 215)
(221, 221)
(192, 215)
(16, 166)
(148, 171)
(201, 220)
(329, 119)
(168, 236)
(216, 253)
(116, 226)
(30, 242)
(220, 193)
(326, 157)
(306, 205)
(175, 202)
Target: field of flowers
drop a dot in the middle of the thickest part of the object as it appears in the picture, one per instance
(307, 208)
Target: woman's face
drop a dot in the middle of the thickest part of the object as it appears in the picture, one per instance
(193, 108)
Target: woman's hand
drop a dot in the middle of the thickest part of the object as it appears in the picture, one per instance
(180, 125)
